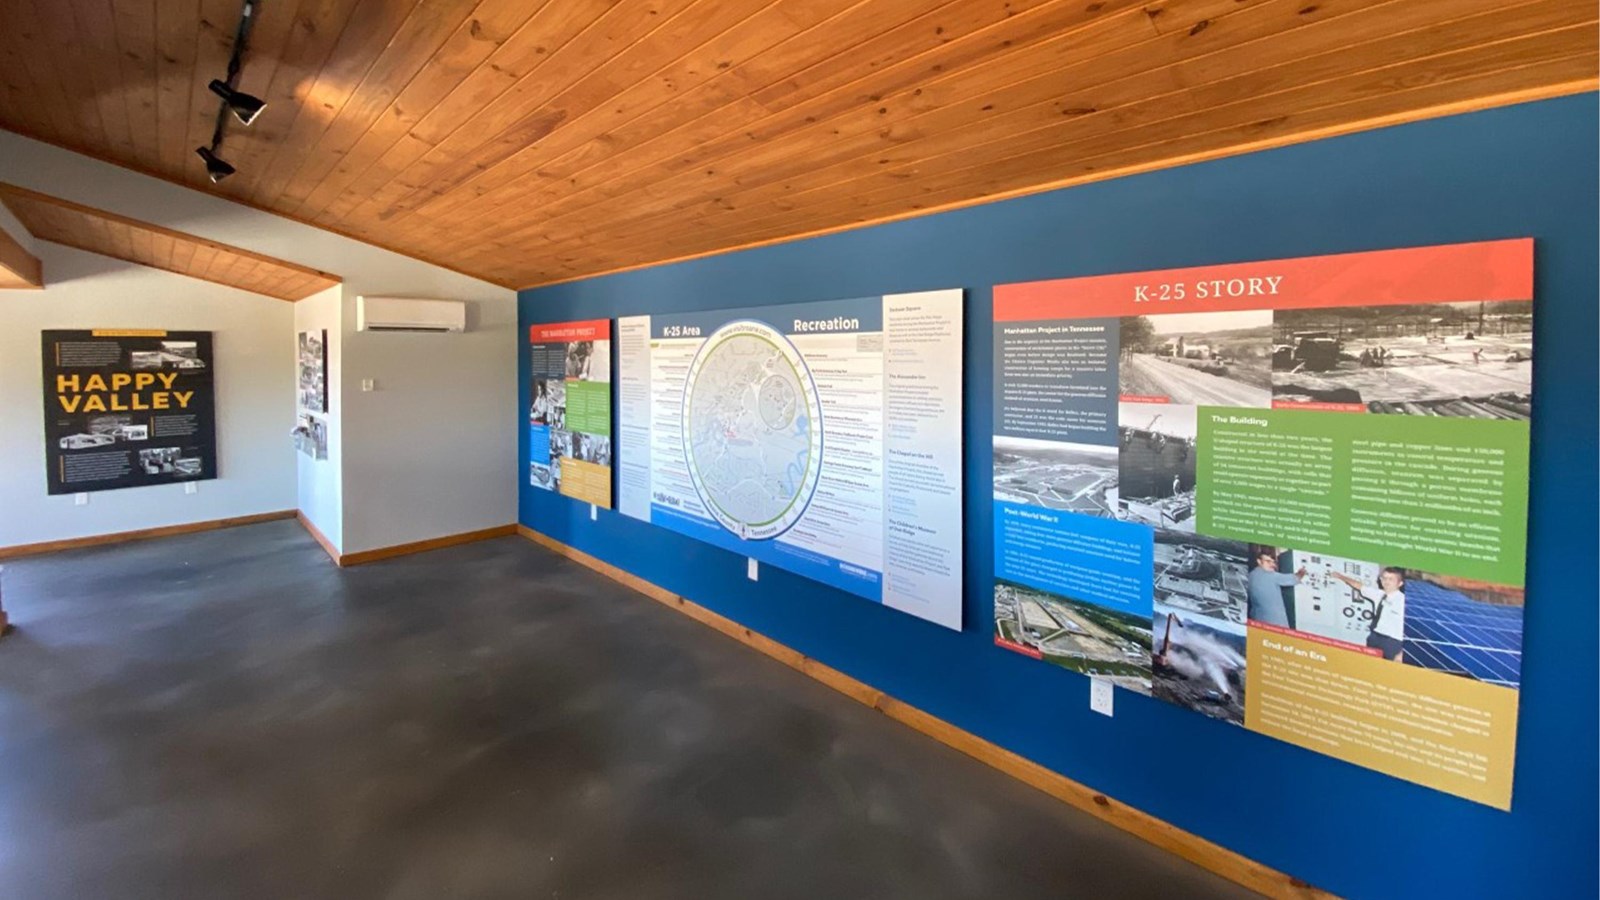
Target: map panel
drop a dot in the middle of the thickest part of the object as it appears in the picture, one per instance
(812, 437)
(753, 435)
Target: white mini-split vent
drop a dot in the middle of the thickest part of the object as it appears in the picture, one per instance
(404, 314)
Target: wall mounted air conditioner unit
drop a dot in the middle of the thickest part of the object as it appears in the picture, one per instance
(403, 314)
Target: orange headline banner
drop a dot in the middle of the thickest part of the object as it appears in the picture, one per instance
(1448, 273)
(562, 332)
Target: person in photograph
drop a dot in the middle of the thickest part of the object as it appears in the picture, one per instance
(1388, 621)
(580, 355)
(1265, 589)
(541, 405)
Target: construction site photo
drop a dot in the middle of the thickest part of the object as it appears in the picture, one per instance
(1472, 359)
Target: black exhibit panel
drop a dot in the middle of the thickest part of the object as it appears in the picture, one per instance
(128, 408)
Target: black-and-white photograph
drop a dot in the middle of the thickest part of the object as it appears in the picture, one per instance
(1203, 575)
(119, 427)
(548, 405)
(1157, 464)
(312, 370)
(1079, 478)
(1472, 359)
(311, 436)
(160, 460)
(593, 448)
(589, 360)
(1205, 359)
(182, 355)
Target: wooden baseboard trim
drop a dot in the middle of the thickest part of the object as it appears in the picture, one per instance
(318, 536)
(438, 543)
(122, 537)
(1192, 847)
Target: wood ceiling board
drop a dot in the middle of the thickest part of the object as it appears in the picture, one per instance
(840, 115)
(1239, 94)
(643, 161)
(532, 142)
(671, 218)
(596, 97)
(418, 40)
(371, 27)
(1449, 98)
(832, 123)
(75, 225)
(521, 55)
(524, 114)
(488, 27)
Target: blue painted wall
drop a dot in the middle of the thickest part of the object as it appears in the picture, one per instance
(1525, 170)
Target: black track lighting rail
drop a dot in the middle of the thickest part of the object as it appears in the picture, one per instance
(243, 106)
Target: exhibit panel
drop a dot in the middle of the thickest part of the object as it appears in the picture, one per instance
(569, 409)
(818, 437)
(1290, 495)
(311, 393)
(128, 408)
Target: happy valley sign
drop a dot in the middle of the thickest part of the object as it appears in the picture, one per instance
(128, 408)
(120, 392)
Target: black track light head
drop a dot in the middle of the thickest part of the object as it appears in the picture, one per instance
(216, 167)
(245, 107)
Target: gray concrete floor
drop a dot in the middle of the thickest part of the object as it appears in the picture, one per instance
(228, 715)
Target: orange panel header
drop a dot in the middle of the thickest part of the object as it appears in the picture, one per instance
(1487, 270)
(561, 332)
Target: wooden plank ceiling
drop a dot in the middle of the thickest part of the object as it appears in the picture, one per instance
(531, 141)
(62, 222)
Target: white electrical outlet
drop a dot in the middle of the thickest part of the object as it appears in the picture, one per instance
(752, 570)
(1101, 693)
(190, 487)
(80, 499)
(368, 385)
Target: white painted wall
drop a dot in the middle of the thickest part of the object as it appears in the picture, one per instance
(433, 450)
(319, 487)
(254, 385)
(425, 452)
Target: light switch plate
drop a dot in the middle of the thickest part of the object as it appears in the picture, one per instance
(368, 384)
(80, 499)
(189, 487)
(1100, 696)
(594, 513)
(752, 570)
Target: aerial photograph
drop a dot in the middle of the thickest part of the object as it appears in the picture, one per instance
(1203, 575)
(1079, 478)
(1081, 637)
(1472, 359)
(1206, 359)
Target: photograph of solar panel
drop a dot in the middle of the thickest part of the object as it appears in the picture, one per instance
(1450, 632)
